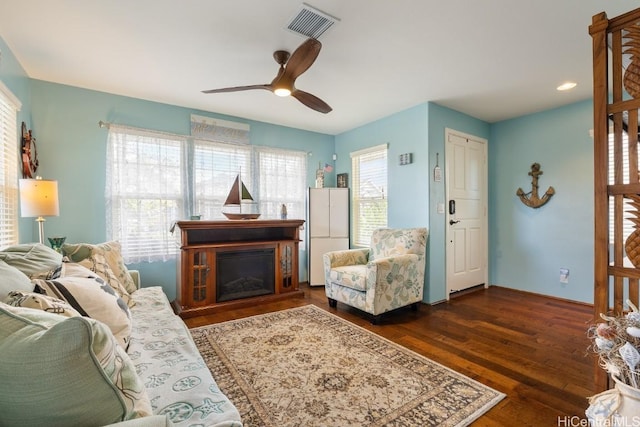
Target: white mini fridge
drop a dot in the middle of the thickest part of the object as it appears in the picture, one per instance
(328, 225)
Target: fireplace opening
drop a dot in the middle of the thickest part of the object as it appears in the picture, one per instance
(244, 274)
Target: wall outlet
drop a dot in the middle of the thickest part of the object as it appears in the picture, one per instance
(564, 275)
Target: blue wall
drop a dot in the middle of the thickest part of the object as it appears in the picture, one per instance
(527, 246)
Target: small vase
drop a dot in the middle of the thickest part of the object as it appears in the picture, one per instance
(56, 243)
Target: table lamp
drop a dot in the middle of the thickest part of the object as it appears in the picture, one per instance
(39, 198)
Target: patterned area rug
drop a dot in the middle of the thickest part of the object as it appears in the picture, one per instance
(307, 367)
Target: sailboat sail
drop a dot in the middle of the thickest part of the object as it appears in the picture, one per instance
(238, 194)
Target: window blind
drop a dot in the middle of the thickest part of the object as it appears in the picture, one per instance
(215, 167)
(144, 192)
(9, 138)
(282, 181)
(369, 193)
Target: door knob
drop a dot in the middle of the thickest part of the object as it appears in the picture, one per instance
(451, 222)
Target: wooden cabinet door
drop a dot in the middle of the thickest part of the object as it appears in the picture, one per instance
(199, 289)
(287, 267)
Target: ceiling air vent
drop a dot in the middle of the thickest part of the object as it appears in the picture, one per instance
(310, 22)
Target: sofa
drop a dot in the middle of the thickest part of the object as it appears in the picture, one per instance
(383, 277)
(69, 356)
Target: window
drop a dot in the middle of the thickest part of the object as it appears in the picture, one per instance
(282, 178)
(369, 193)
(144, 192)
(154, 179)
(9, 107)
(215, 167)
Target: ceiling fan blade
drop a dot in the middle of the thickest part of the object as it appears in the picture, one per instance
(238, 88)
(302, 58)
(311, 101)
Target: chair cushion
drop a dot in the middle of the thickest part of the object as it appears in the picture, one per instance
(351, 276)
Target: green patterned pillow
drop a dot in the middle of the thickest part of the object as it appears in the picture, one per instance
(59, 371)
(98, 264)
(112, 251)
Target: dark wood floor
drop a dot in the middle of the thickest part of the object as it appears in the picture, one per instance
(530, 347)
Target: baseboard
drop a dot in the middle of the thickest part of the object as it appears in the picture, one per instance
(585, 304)
(482, 287)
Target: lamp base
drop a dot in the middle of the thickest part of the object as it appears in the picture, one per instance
(40, 220)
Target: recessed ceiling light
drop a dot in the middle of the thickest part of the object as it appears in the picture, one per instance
(567, 86)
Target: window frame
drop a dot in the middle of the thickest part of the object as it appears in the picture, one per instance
(361, 233)
(10, 105)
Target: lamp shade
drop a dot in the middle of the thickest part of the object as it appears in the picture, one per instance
(39, 197)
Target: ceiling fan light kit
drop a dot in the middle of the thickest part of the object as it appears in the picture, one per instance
(291, 67)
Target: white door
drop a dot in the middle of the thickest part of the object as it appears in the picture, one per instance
(466, 211)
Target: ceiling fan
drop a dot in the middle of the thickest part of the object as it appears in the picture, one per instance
(291, 67)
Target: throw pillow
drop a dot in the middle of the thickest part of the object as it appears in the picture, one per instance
(31, 258)
(64, 371)
(112, 252)
(13, 280)
(91, 297)
(97, 263)
(41, 302)
(73, 269)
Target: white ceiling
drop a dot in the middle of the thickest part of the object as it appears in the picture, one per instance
(490, 59)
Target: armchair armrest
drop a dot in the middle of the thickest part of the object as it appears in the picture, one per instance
(135, 275)
(347, 257)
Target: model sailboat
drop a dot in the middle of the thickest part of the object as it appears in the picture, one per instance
(236, 197)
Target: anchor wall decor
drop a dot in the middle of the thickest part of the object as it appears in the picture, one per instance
(531, 198)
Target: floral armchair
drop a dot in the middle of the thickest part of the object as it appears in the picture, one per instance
(386, 276)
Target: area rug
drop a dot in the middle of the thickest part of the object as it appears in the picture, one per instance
(307, 367)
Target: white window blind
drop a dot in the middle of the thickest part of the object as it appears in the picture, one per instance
(369, 192)
(215, 167)
(144, 192)
(9, 138)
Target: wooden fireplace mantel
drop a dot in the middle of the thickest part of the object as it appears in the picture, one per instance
(202, 241)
